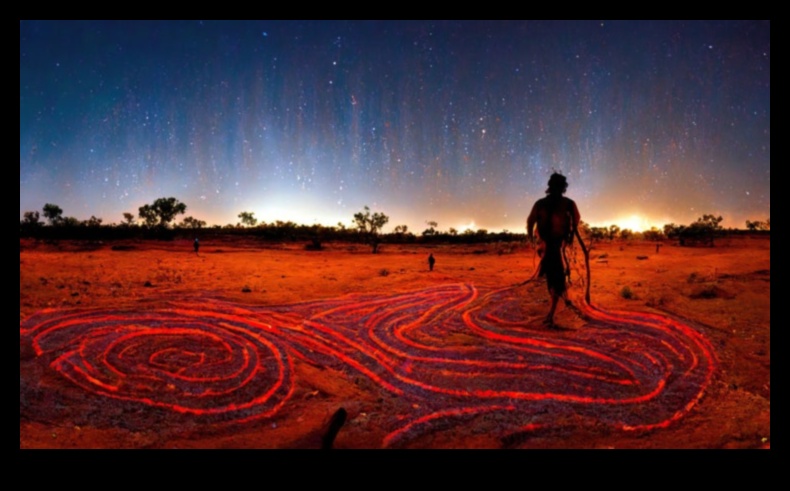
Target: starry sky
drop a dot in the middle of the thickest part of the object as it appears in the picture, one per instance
(460, 123)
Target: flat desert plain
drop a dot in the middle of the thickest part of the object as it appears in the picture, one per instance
(256, 345)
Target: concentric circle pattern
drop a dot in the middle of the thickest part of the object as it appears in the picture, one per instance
(450, 353)
(206, 365)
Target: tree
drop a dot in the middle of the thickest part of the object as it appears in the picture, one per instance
(192, 223)
(53, 213)
(708, 222)
(401, 229)
(673, 231)
(148, 215)
(92, 222)
(128, 219)
(701, 232)
(598, 233)
(584, 228)
(161, 212)
(758, 225)
(248, 218)
(69, 222)
(431, 230)
(31, 219)
(653, 234)
(613, 231)
(369, 226)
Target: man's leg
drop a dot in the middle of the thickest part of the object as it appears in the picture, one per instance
(550, 318)
(555, 279)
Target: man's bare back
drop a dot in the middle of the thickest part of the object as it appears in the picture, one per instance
(556, 218)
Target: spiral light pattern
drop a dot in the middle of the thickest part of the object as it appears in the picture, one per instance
(450, 353)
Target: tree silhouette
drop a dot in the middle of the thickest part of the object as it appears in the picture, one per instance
(53, 213)
(31, 219)
(193, 223)
(248, 218)
(148, 215)
(161, 212)
(701, 232)
(92, 222)
(708, 222)
(369, 225)
(598, 233)
(584, 228)
(128, 219)
(653, 234)
(613, 231)
(431, 230)
(673, 231)
(758, 225)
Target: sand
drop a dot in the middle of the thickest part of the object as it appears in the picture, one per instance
(452, 358)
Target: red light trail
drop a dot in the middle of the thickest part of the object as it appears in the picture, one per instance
(450, 353)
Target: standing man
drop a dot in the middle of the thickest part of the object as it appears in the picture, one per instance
(556, 218)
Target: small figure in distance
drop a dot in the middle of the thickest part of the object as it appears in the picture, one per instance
(431, 262)
(556, 218)
(196, 245)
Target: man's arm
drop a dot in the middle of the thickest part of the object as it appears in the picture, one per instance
(531, 219)
(576, 217)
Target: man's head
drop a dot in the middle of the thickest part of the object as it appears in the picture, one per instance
(557, 184)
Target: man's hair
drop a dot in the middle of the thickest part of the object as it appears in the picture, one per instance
(557, 184)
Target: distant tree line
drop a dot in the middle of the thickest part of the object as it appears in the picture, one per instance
(158, 220)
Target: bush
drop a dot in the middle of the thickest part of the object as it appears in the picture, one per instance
(626, 293)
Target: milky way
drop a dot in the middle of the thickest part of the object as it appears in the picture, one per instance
(455, 122)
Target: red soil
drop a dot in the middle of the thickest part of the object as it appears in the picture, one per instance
(619, 386)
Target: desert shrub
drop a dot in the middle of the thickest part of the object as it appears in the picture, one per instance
(657, 299)
(710, 291)
(313, 245)
(384, 272)
(626, 293)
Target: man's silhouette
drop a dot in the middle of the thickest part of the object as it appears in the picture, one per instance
(556, 218)
(431, 262)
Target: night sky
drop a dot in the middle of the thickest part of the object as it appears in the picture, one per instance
(460, 123)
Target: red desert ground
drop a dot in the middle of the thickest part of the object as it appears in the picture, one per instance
(257, 345)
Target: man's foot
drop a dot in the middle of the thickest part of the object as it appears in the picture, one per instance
(549, 322)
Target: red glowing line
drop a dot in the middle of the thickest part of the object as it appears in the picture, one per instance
(201, 351)
(439, 415)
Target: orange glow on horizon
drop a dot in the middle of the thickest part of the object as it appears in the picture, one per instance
(634, 222)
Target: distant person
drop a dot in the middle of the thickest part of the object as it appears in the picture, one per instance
(196, 245)
(556, 218)
(431, 262)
